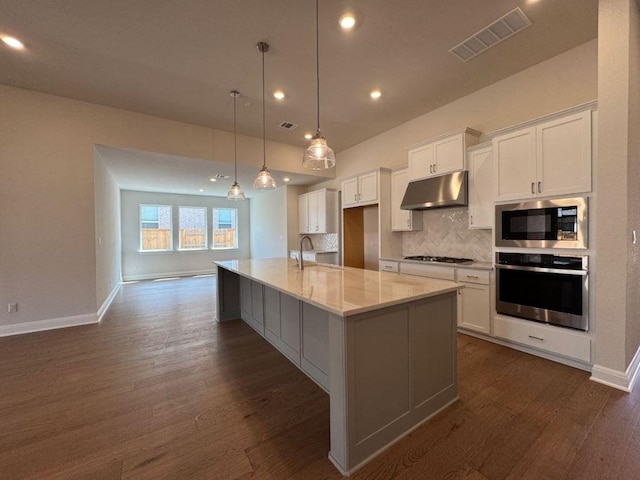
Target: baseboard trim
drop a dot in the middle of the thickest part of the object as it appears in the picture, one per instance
(614, 378)
(48, 324)
(107, 303)
(154, 276)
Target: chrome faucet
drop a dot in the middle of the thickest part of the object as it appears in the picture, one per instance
(301, 262)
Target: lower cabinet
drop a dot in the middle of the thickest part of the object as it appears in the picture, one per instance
(474, 300)
(298, 330)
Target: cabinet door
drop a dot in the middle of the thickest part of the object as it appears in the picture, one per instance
(420, 162)
(368, 188)
(245, 296)
(290, 327)
(257, 305)
(350, 192)
(474, 310)
(317, 217)
(303, 214)
(272, 312)
(564, 155)
(400, 219)
(448, 155)
(315, 344)
(481, 202)
(515, 164)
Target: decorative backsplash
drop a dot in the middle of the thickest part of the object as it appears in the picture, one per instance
(325, 241)
(446, 233)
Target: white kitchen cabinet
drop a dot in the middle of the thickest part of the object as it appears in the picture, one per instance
(474, 300)
(317, 257)
(251, 304)
(552, 157)
(428, 270)
(388, 266)
(556, 340)
(402, 220)
(314, 359)
(360, 190)
(440, 155)
(282, 323)
(317, 212)
(481, 201)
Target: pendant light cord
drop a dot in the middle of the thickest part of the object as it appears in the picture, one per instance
(317, 68)
(235, 142)
(264, 135)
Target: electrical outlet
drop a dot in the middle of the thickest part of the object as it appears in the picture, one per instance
(12, 307)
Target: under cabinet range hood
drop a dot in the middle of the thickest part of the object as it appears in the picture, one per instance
(446, 190)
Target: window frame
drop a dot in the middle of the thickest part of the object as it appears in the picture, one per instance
(140, 221)
(206, 231)
(214, 228)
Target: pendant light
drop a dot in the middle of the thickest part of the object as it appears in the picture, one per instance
(318, 155)
(236, 192)
(264, 180)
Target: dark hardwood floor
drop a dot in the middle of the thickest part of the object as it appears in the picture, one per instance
(160, 391)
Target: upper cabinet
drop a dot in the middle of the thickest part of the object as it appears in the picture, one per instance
(402, 220)
(440, 155)
(481, 201)
(360, 190)
(547, 158)
(317, 211)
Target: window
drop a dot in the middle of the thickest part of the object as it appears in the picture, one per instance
(155, 228)
(225, 228)
(193, 228)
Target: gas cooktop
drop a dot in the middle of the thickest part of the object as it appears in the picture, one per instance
(429, 258)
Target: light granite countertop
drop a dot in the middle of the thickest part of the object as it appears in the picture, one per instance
(340, 290)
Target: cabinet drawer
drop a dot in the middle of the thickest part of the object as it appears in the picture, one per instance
(387, 266)
(544, 337)
(309, 256)
(431, 271)
(469, 275)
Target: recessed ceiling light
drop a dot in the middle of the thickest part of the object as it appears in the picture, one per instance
(213, 179)
(286, 179)
(279, 94)
(13, 42)
(347, 21)
(375, 94)
(308, 136)
(201, 189)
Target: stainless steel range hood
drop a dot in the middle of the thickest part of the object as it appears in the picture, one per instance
(443, 191)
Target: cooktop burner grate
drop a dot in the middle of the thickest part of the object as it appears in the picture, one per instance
(429, 258)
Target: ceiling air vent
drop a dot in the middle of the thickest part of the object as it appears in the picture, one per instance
(219, 175)
(288, 125)
(500, 30)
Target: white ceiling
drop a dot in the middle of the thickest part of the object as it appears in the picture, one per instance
(179, 60)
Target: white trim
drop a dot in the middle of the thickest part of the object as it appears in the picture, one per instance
(154, 276)
(614, 378)
(48, 324)
(592, 105)
(465, 130)
(107, 303)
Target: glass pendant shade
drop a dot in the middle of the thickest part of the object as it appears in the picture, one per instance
(235, 193)
(264, 180)
(318, 155)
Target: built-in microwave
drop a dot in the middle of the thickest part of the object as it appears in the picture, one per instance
(557, 223)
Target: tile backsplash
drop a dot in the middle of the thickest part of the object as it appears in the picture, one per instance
(325, 241)
(446, 233)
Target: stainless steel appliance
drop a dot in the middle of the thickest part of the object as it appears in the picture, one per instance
(446, 190)
(545, 288)
(430, 258)
(558, 223)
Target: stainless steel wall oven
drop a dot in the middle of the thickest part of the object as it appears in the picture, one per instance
(545, 288)
(557, 223)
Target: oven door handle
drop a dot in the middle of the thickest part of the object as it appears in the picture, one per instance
(561, 271)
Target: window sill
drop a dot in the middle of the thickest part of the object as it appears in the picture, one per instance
(192, 250)
(224, 249)
(153, 252)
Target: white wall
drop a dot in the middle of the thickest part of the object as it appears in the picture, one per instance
(47, 217)
(108, 235)
(269, 224)
(138, 265)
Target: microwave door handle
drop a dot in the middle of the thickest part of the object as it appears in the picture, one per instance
(561, 271)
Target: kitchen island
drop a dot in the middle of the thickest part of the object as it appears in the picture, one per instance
(382, 344)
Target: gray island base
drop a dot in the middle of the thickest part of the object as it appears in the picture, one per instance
(382, 345)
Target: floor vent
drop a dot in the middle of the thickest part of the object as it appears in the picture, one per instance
(503, 28)
(288, 125)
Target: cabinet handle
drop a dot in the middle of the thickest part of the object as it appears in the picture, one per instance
(539, 187)
(536, 338)
(533, 187)
(430, 168)
(435, 168)
(459, 292)
(316, 228)
(473, 276)
(408, 223)
(355, 197)
(471, 219)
